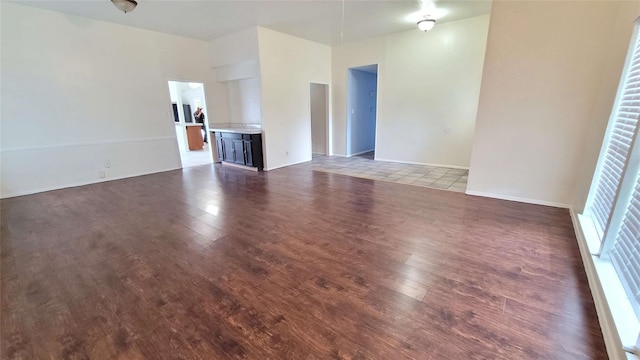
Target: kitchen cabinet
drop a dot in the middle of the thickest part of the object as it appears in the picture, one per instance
(238, 152)
(239, 148)
(228, 153)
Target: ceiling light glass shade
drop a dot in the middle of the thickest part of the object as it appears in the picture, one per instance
(426, 24)
(125, 5)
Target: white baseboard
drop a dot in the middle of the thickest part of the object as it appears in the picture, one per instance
(229, 164)
(81, 183)
(518, 199)
(285, 165)
(425, 164)
(361, 152)
(605, 317)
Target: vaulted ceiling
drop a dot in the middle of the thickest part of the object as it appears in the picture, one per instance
(320, 21)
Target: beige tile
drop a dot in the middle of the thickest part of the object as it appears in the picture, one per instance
(456, 171)
(449, 178)
(416, 175)
(421, 183)
(412, 176)
(432, 177)
(440, 185)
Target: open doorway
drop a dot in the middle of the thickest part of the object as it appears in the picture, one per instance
(319, 119)
(362, 93)
(190, 119)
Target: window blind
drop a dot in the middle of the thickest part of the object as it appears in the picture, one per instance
(618, 143)
(625, 254)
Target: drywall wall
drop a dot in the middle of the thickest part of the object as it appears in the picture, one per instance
(173, 91)
(237, 95)
(597, 121)
(77, 92)
(319, 93)
(361, 114)
(287, 66)
(238, 47)
(244, 70)
(539, 87)
(244, 101)
(428, 86)
(217, 101)
(343, 57)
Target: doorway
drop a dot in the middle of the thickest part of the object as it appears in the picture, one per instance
(319, 119)
(362, 94)
(193, 140)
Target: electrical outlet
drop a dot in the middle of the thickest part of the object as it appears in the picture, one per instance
(107, 164)
(102, 174)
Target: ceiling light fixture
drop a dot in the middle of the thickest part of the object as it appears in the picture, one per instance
(426, 24)
(125, 5)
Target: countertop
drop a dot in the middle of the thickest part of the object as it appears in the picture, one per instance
(246, 130)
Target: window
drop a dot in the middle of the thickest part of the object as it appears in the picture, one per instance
(614, 200)
(625, 254)
(620, 134)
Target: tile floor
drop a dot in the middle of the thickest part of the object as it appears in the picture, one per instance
(196, 157)
(365, 167)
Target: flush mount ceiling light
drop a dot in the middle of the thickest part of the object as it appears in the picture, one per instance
(125, 5)
(426, 24)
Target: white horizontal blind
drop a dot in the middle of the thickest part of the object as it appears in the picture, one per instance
(626, 113)
(625, 254)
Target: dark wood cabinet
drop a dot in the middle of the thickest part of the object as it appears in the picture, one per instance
(219, 147)
(248, 159)
(238, 152)
(227, 150)
(242, 149)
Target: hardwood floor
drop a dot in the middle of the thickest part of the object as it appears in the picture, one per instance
(220, 263)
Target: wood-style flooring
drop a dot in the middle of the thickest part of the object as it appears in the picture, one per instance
(213, 262)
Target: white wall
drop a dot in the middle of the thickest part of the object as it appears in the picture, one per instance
(95, 91)
(539, 88)
(173, 91)
(235, 48)
(244, 101)
(243, 70)
(287, 66)
(235, 58)
(372, 51)
(428, 87)
(319, 118)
